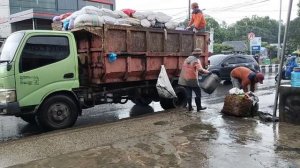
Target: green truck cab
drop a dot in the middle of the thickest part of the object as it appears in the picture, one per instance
(34, 65)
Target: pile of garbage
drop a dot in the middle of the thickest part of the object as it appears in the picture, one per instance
(240, 104)
(93, 16)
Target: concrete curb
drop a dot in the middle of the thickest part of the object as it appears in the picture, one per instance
(273, 68)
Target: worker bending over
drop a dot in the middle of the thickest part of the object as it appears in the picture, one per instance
(242, 77)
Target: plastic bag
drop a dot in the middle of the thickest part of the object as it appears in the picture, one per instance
(88, 20)
(236, 91)
(163, 85)
(128, 12)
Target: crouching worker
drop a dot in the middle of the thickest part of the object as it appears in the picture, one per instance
(189, 78)
(242, 77)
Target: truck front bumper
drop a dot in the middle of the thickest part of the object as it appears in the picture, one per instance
(9, 108)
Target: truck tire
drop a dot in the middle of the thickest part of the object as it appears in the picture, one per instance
(178, 102)
(142, 101)
(58, 112)
(30, 118)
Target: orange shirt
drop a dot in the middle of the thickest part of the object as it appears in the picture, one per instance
(198, 20)
(190, 72)
(242, 73)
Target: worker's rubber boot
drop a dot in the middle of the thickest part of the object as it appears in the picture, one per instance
(198, 104)
(189, 101)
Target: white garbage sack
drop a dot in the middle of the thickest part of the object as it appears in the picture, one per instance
(120, 14)
(133, 21)
(142, 15)
(163, 85)
(145, 23)
(92, 10)
(109, 20)
(88, 20)
(73, 16)
(108, 12)
(152, 17)
(162, 18)
(171, 25)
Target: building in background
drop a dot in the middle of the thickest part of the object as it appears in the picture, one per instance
(18, 15)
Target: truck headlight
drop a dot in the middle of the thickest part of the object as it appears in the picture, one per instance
(7, 96)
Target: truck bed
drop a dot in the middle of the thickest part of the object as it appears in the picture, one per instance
(140, 52)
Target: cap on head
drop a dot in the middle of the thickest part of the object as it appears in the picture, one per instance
(197, 51)
(195, 5)
(260, 77)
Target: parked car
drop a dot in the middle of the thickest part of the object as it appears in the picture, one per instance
(222, 64)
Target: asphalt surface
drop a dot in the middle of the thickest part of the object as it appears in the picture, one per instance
(12, 128)
(132, 136)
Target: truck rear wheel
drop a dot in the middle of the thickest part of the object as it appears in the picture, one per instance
(58, 112)
(178, 102)
(30, 118)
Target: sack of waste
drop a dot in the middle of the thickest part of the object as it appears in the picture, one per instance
(120, 14)
(162, 18)
(241, 105)
(171, 25)
(110, 13)
(145, 23)
(91, 10)
(163, 85)
(88, 20)
(109, 20)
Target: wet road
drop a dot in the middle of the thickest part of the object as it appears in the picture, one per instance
(167, 139)
(12, 128)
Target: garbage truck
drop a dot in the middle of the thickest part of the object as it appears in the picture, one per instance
(48, 77)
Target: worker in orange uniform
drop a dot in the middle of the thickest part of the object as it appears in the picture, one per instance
(189, 78)
(242, 77)
(198, 22)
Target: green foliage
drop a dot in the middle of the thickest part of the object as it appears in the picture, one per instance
(275, 61)
(219, 48)
(262, 27)
(298, 8)
(294, 35)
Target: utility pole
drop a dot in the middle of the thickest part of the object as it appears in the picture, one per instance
(282, 57)
(279, 32)
(189, 12)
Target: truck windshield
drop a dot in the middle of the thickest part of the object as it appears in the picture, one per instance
(10, 46)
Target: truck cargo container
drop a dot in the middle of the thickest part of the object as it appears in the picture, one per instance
(50, 76)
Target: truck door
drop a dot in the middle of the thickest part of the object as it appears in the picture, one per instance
(45, 65)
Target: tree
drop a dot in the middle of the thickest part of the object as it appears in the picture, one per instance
(219, 48)
(294, 35)
(262, 27)
(298, 8)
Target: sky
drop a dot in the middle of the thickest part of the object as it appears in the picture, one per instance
(229, 11)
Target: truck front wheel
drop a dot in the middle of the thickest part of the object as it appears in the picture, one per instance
(58, 112)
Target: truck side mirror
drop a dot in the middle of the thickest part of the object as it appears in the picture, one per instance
(8, 66)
